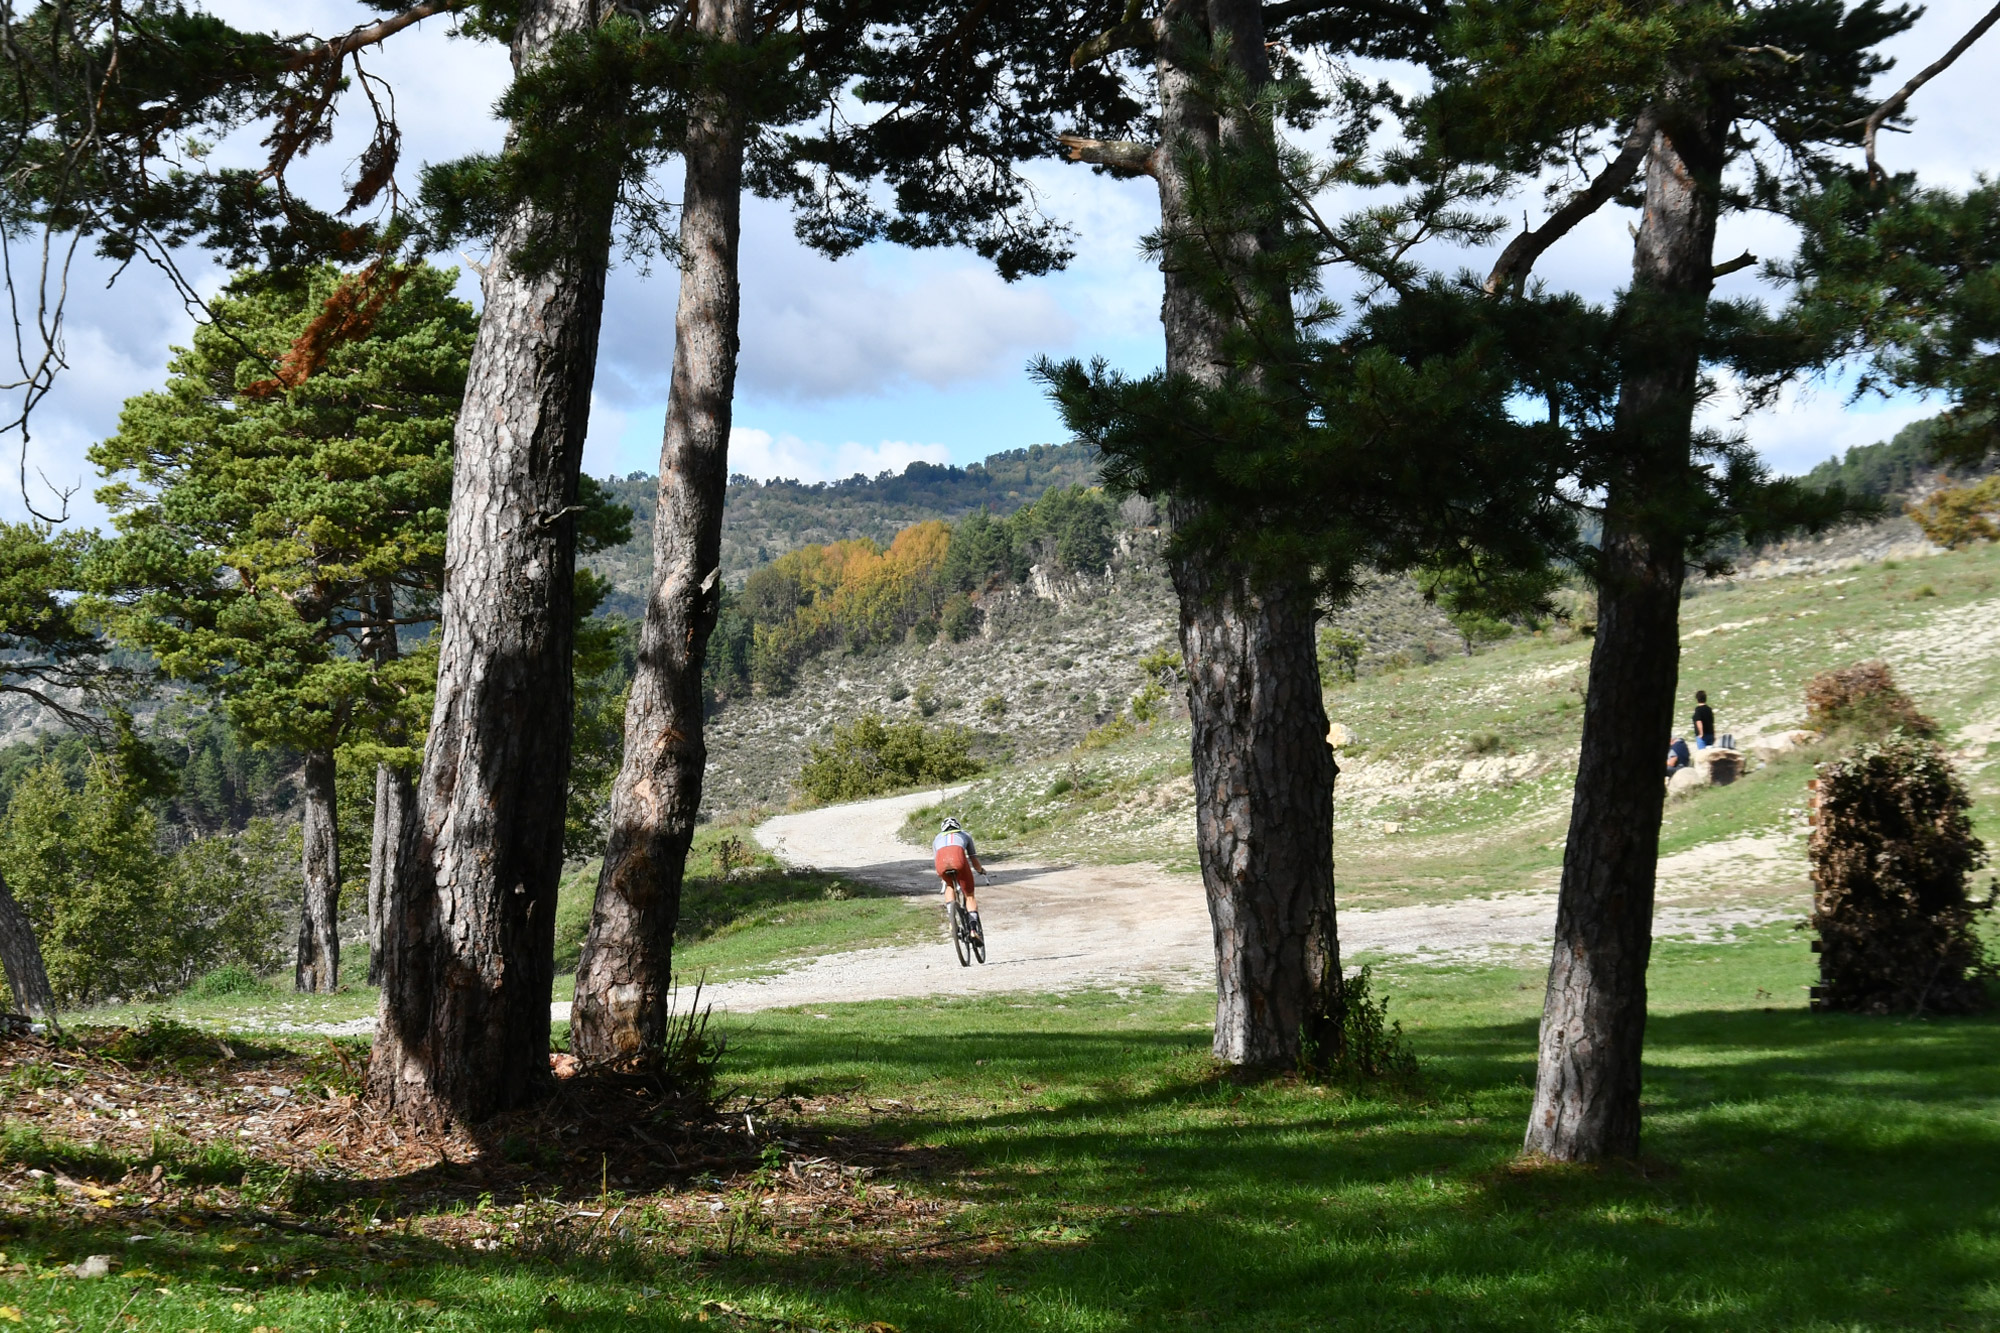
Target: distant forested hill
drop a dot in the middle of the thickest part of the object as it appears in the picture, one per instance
(1898, 468)
(764, 520)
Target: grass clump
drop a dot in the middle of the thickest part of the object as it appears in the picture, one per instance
(870, 757)
(228, 980)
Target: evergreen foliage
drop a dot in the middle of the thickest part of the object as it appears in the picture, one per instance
(1891, 849)
(261, 519)
(1907, 279)
(1894, 467)
(115, 914)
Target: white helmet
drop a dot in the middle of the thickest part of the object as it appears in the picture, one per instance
(950, 825)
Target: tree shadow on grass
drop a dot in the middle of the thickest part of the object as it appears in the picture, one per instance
(1801, 1171)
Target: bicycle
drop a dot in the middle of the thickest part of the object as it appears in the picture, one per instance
(969, 943)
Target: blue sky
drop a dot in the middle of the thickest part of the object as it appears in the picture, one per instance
(891, 355)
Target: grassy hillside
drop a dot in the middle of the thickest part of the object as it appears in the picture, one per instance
(1456, 779)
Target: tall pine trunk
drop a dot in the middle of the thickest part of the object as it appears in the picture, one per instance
(318, 966)
(464, 1026)
(395, 807)
(624, 979)
(1594, 1013)
(395, 797)
(1263, 774)
(21, 957)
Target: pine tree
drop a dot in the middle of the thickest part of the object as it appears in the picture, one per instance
(274, 527)
(1670, 99)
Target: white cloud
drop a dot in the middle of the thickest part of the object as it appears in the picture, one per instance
(1812, 422)
(759, 454)
(815, 329)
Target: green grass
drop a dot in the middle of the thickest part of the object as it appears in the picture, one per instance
(1802, 1172)
(754, 920)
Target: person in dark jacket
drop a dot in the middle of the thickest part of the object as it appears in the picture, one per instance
(1678, 756)
(1704, 721)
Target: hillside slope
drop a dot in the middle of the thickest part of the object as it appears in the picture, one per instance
(1456, 775)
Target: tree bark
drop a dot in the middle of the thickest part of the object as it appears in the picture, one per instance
(1587, 1079)
(1263, 774)
(21, 956)
(624, 979)
(318, 966)
(395, 807)
(464, 1026)
(395, 798)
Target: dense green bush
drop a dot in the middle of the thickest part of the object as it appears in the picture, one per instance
(869, 757)
(229, 979)
(1891, 851)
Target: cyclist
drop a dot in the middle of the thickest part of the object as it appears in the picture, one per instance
(952, 854)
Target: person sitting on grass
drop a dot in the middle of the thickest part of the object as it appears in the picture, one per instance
(954, 856)
(1678, 756)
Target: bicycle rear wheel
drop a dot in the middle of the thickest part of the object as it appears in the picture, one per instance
(979, 944)
(961, 929)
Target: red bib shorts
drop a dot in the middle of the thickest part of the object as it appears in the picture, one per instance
(952, 862)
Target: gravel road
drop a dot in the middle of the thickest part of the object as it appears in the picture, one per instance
(1056, 927)
(1052, 926)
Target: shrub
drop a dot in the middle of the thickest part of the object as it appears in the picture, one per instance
(1339, 655)
(993, 706)
(114, 916)
(960, 618)
(869, 757)
(925, 698)
(1862, 701)
(229, 979)
(1150, 703)
(1356, 1039)
(1960, 515)
(1483, 742)
(1891, 848)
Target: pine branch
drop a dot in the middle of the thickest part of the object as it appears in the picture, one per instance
(1872, 124)
(1132, 35)
(1286, 10)
(1123, 155)
(345, 45)
(1511, 269)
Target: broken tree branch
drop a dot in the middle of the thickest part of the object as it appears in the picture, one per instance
(1511, 269)
(1729, 266)
(1872, 124)
(1126, 155)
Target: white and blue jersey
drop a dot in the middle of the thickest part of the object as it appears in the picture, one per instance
(954, 838)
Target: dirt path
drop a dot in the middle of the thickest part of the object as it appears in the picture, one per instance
(1057, 927)
(1054, 926)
